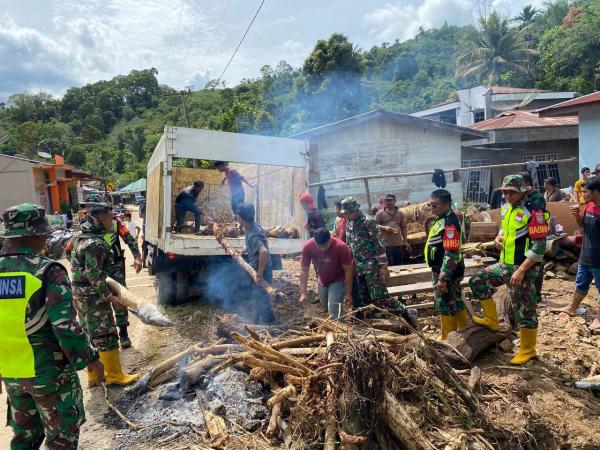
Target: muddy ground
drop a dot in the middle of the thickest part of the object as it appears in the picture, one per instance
(566, 352)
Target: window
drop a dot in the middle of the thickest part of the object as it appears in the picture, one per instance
(478, 115)
(476, 182)
(545, 168)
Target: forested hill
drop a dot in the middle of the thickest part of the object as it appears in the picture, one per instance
(111, 127)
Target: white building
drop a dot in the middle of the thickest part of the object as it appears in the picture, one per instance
(482, 103)
(379, 142)
(588, 110)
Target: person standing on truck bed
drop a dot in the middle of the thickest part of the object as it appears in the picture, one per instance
(234, 180)
(257, 251)
(314, 217)
(186, 201)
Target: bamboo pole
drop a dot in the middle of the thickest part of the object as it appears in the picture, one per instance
(430, 172)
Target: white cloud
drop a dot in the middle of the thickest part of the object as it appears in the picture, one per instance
(402, 20)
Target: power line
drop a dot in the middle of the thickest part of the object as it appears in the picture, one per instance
(212, 37)
(241, 40)
(176, 37)
(187, 51)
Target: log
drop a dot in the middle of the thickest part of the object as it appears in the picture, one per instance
(170, 362)
(192, 374)
(165, 376)
(474, 378)
(403, 427)
(330, 426)
(270, 290)
(395, 326)
(264, 348)
(483, 231)
(214, 424)
(275, 415)
(299, 341)
(417, 273)
(282, 394)
(470, 341)
(146, 312)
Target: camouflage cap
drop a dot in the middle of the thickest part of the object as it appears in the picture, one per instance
(349, 205)
(25, 219)
(597, 169)
(513, 183)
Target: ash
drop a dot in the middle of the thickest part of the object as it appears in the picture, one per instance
(167, 413)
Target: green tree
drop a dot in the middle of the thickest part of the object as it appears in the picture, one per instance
(569, 52)
(140, 88)
(553, 14)
(497, 49)
(28, 135)
(527, 16)
(90, 134)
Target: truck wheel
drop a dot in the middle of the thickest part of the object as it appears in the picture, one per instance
(181, 287)
(165, 289)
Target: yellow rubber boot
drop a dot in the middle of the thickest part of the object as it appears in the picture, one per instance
(448, 325)
(112, 366)
(490, 316)
(527, 348)
(461, 319)
(92, 378)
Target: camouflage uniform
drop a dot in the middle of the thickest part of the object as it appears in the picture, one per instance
(41, 345)
(537, 201)
(116, 270)
(521, 240)
(442, 253)
(365, 240)
(91, 260)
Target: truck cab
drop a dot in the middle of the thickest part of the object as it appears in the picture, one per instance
(277, 167)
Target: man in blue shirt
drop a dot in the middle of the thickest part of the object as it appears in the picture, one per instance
(186, 201)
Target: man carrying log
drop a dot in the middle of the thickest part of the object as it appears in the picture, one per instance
(370, 260)
(257, 251)
(442, 254)
(41, 344)
(90, 261)
(522, 239)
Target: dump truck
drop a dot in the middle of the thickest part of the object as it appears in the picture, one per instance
(278, 169)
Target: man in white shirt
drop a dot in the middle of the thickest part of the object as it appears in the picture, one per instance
(132, 227)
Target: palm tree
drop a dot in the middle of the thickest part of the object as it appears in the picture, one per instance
(497, 49)
(526, 16)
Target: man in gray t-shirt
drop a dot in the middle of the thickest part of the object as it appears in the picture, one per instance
(257, 251)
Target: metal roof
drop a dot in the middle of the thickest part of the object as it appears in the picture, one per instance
(523, 119)
(400, 117)
(572, 106)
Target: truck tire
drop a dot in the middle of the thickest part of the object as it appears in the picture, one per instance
(165, 289)
(182, 284)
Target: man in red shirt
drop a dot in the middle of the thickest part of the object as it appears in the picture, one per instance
(234, 180)
(333, 264)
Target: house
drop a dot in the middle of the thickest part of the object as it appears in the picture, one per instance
(482, 103)
(379, 142)
(47, 184)
(519, 137)
(587, 109)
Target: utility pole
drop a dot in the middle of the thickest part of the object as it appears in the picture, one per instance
(184, 95)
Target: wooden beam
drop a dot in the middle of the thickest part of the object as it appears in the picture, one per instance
(430, 172)
(417, 288)
(400, 276)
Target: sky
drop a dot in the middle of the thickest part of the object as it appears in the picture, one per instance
(51, 45)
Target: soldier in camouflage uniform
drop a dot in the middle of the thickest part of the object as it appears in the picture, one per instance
(41, 344)
(117, 271)
(522, 239)
(442, 254)
(90, 260)
(370, 260)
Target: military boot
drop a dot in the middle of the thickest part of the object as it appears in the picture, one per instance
(447, 325)
(527, 347)
(461, 319)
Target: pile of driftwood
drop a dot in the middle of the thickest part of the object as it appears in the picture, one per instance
(365, 384)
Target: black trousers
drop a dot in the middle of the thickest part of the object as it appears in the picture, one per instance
(395, 255)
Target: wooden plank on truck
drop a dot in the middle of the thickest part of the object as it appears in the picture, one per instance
(154, 201)
(417, 288)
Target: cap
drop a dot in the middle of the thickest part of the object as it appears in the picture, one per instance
(513, 183)
(349, 205)
(390, 197)
(25, 219)
(597, 169)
